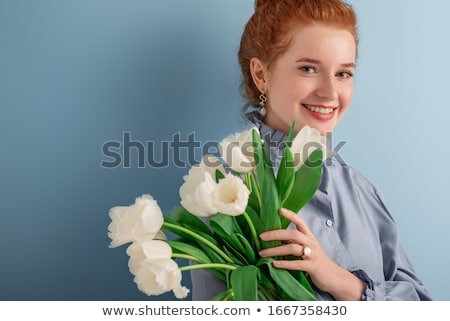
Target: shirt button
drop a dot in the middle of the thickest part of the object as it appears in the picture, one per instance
(329, 223)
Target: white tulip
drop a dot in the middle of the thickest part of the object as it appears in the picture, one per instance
(237, 151)
(231, 195)
(197, 190)
(137, 222)
(306, 141)
(210, 164)
(202, 196)
(154, 270)
(158, 277)
(160, 236)
(150, 249)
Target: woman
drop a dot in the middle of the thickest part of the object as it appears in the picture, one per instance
(298, 59)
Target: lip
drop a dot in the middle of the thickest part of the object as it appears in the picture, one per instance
(322, 117)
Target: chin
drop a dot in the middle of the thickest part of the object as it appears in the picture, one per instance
(324, 129)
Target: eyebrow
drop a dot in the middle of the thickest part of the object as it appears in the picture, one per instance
(315, 61)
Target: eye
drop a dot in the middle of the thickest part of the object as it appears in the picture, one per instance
(344, 74)
(307, 69)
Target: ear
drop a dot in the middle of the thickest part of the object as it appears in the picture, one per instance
(259, 74)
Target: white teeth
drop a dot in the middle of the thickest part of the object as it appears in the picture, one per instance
(320, 110)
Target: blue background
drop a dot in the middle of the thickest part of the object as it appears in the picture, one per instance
(77, 74)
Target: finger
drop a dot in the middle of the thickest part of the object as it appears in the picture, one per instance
(292, 265)
(289, 249)
(297, 220)
(290, 235)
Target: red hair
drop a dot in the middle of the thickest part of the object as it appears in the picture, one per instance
(267, 34)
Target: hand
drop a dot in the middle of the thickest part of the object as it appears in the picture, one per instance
(324, 272)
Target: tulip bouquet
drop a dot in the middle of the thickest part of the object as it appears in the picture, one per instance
(241, 200)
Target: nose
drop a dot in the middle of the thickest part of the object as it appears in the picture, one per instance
(326, 88)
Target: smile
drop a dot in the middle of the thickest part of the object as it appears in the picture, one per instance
(319, 110)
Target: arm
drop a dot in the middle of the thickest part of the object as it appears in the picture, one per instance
(398, 280)
(401, 281)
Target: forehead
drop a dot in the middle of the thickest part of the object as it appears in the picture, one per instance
(321, 42)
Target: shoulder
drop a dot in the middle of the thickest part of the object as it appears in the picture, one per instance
(345, 179)
(346, 173)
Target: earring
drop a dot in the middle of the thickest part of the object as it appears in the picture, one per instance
(262, 104)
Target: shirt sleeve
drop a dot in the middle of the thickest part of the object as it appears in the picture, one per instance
(401, 281)
(205, 285)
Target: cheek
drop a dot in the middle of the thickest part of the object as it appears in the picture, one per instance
(346, 97)
(345, 100)
(289, 87)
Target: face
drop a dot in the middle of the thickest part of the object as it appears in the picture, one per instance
(312, 82)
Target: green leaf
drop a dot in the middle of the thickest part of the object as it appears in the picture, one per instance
(290, 136)
(304, 281)
(259, 157)
(290, 285)
(214, 257)
(307, 180)
(264, 261)
(254, 197)
(249, 251)
(185, 248)
(180, 216)
(270, 203)
(266, 286)
(244, 283)
(237, 256)
(225, 226)
(236, 226)
(219, 175)
(253, 201)
(259, 225)
(286, 174)
(188, 236)
(222, 224)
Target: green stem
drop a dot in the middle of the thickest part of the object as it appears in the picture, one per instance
(199, 238)
(184, 256)
(248, 182)
(208, 266)
(229, 296)
(255, 183)
(253, 231)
